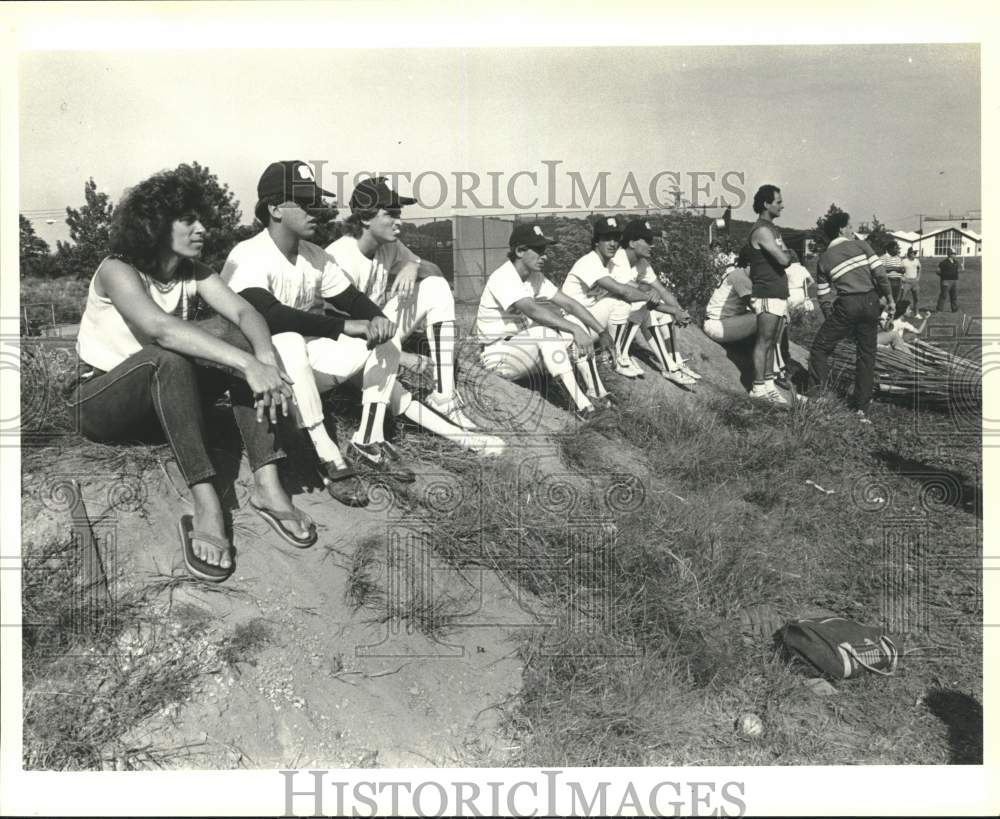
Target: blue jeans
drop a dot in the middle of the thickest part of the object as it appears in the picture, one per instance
(156, 386)
(857, 316)
(949, 290)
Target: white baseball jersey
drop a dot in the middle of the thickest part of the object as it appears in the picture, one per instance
(370, 276)
(622, 270)
(257, 262)
(503, 289)
(581, 281)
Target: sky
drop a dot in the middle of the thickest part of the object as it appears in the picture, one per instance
(889, 130)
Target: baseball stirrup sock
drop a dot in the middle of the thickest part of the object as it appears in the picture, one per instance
(441, 337)
(633, 331)
(672, 344)
(598, 384)
(659, 347)
(585, 374)
(617, 331)
(372, 423)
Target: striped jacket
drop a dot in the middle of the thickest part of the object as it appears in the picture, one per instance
(893, 265)
(846, 267)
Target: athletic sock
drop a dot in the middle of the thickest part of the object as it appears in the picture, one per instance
(441, 337)
(586, 375)
(568, 380)
(659, 347)
(672, 345)
(633, 328)
(599, 387)
(325, 448)
(372, 425)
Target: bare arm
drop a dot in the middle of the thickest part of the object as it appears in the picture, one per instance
(127, 293)
(547, 317)
(626, 292)
(573, 307)
(766, 242)
(239, 311)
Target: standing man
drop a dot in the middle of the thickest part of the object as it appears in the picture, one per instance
(769, 298)
(948, 273)
(845, 274)
(289, 281)
(659, 308)
(418, 295)
(910, 289)
(893, 269)
(520, 330)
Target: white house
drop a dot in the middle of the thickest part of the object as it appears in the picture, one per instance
(961, 240)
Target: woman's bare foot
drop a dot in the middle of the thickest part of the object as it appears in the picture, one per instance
(208, 518)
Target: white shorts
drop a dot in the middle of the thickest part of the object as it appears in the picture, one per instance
(713, 329)
(773, 307)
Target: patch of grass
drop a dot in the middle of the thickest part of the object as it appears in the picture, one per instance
(92, 676)
(245, 643)
(647, 663)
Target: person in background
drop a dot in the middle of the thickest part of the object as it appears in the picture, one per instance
(847, 274)
(894, 269)
(893, 330)
(799, 281)
(948, 273)
(147, 361)
(910, 289)
(728, 315)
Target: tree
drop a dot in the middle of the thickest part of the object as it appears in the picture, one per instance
(878, 236)
(90, 230)
(819, 234)
(221, 218)
(34, 250)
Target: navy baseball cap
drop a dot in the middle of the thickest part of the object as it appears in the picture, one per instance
(375, 193)
(607, 227)
(291, 180)
(637, 229)
(529, 234)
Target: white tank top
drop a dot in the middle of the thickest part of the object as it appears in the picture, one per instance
(105, 340)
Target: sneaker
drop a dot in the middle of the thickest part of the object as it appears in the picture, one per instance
(343, 484)
(684, 368)
(606, 401)
(449, 407)
(627, 368)
(772, 396)
(382, 457)
(781, 379)
(679, 377)
(862, 417)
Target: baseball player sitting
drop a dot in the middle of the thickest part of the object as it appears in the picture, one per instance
(656, 311)
(289, 280)
(521, 324)
(419, 295)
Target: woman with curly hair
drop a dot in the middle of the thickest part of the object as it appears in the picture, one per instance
(146, 359)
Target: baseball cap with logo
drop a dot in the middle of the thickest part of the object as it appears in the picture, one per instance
(291, 180)
(607, 227)
(529, 234)
(637, 229)
(375, 193)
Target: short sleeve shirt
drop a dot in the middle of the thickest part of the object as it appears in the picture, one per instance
(622, 270)
(504, 288)
(581, 281)
(370, 276)
(911, 269)
(730, 297)
(257, 262)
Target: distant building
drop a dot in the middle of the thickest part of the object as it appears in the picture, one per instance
(962, 240)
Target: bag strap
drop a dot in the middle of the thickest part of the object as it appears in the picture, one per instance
(849, 649)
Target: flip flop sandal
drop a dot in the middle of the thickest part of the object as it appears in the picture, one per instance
(198, 567)
(273, 518)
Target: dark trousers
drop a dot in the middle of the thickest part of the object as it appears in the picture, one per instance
(160, 387)
(895, 285)
(856, 316)
(949, 290)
